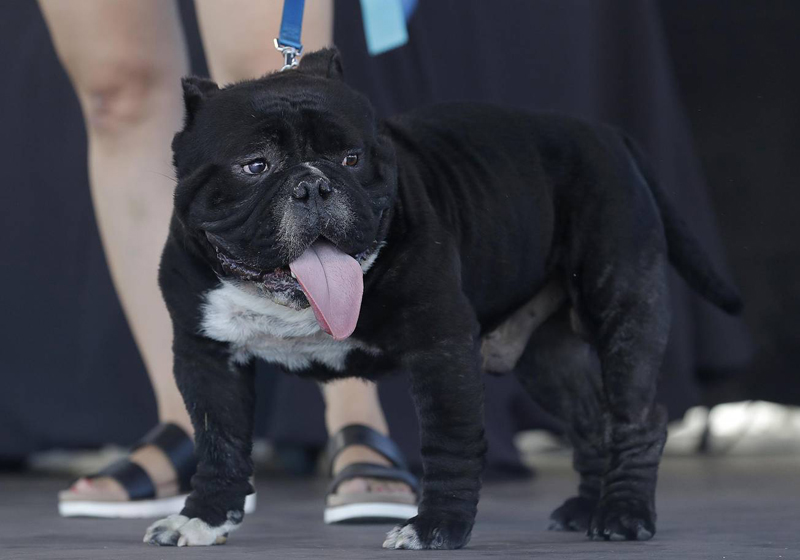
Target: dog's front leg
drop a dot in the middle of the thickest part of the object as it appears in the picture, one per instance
(219, 395)
(447, 388)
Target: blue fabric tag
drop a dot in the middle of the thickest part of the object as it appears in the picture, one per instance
(384, 25)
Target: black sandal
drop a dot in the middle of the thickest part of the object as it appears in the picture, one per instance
(142, 502)
(369, 507)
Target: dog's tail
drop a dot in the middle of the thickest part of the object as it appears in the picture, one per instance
(685, 253)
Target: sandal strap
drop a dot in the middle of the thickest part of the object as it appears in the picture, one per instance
(133, 478)
(176, 444)
(370, 470)
(358, 434)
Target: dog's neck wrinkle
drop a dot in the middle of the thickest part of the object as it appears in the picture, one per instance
(395, 233)
(185, 245)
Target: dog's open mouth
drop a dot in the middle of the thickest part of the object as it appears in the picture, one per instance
(278, 280)
(324, 277)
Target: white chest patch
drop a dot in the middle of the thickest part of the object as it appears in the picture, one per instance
(256, 326)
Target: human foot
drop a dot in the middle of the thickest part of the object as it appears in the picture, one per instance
(152, 481)
(361, 454)
(370, 479)
(108, 489)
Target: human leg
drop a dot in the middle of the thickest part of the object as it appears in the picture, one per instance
(125, 58)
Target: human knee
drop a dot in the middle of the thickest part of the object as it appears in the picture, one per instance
(120, 93)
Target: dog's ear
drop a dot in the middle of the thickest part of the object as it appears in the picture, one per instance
(325, 63)
(195, 91)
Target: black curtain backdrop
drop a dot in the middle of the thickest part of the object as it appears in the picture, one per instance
(71, 376)
(738, 65)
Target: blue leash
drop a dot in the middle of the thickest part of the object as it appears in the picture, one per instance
(384, 27)
(288, 41)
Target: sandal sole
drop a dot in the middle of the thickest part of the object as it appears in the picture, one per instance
(375, 512)
(139, 509)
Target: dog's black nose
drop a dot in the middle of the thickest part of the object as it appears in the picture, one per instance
(324, 187)
(312, 187)
(300, 192)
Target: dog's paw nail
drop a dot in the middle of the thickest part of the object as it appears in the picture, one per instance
(179, 530)
(628, 520)
(403, 538)
(430, 532)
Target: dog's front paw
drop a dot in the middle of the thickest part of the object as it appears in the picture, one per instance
(621, 520)
(574, 515)
(179, 530)
(430, 532)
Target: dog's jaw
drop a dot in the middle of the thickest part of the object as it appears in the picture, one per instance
(280, 285)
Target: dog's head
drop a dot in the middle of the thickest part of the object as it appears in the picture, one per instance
(269, 167)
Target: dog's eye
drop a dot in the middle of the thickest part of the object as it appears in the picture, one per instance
(350, 160)
(255, 167)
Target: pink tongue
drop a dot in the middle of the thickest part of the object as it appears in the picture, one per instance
(333, 283)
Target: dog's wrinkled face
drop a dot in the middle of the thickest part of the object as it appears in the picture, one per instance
(267, 167)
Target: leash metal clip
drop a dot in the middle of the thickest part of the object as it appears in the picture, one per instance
(290, 55)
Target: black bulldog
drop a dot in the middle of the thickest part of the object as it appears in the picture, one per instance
(445, 242)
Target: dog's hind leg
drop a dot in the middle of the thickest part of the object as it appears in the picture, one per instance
(628, 316)
(616, 266)
(561, 372)
(620, 293)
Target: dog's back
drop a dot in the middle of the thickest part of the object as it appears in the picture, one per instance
(499, 181)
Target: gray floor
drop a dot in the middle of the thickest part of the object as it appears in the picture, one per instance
(740, 508)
